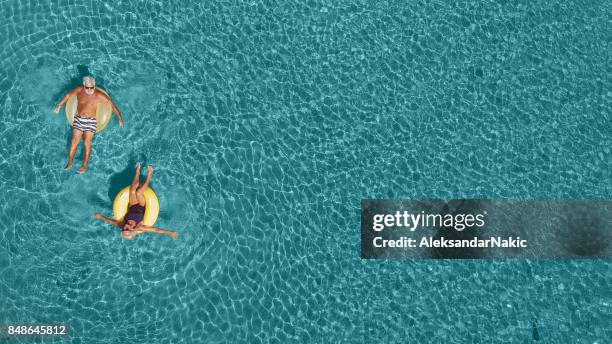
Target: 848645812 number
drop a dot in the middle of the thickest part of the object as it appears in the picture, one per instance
(33, 330)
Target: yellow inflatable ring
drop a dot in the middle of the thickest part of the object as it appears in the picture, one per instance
(104, 111)
(120, 206)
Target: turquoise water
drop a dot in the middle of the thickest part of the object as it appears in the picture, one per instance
(267, 123)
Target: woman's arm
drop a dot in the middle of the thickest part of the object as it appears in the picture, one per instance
(144, 228)
(65, 98)
(107, 220)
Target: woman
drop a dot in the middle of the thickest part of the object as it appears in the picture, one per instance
(132, 222)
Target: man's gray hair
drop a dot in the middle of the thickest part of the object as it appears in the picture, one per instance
(89, 79)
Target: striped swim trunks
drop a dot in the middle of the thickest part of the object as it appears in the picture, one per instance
(84, 124)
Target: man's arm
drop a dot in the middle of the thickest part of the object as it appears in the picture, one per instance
(107, 219)
(65, 98)
(144, 228)
(115, 109)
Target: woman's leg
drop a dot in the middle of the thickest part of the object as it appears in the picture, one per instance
(142, 188)
(134, 186)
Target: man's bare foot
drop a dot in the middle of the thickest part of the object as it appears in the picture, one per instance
(82, 169)
(149, 169)
(138, 166)
(68, 165)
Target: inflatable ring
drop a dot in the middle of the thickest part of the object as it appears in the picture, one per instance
(120, 206)
(104, 111)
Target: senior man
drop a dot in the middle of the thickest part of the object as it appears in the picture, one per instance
(84, 125)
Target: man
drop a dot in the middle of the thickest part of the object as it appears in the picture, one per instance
(84, 125)
(132, 225)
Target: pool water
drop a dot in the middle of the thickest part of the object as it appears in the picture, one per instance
(267, 122)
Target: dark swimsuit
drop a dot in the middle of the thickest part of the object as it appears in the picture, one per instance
(135, 212)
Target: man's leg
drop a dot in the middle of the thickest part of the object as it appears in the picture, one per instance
(74, 143)
(134, 186)
(141, 189)
(87, 139)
